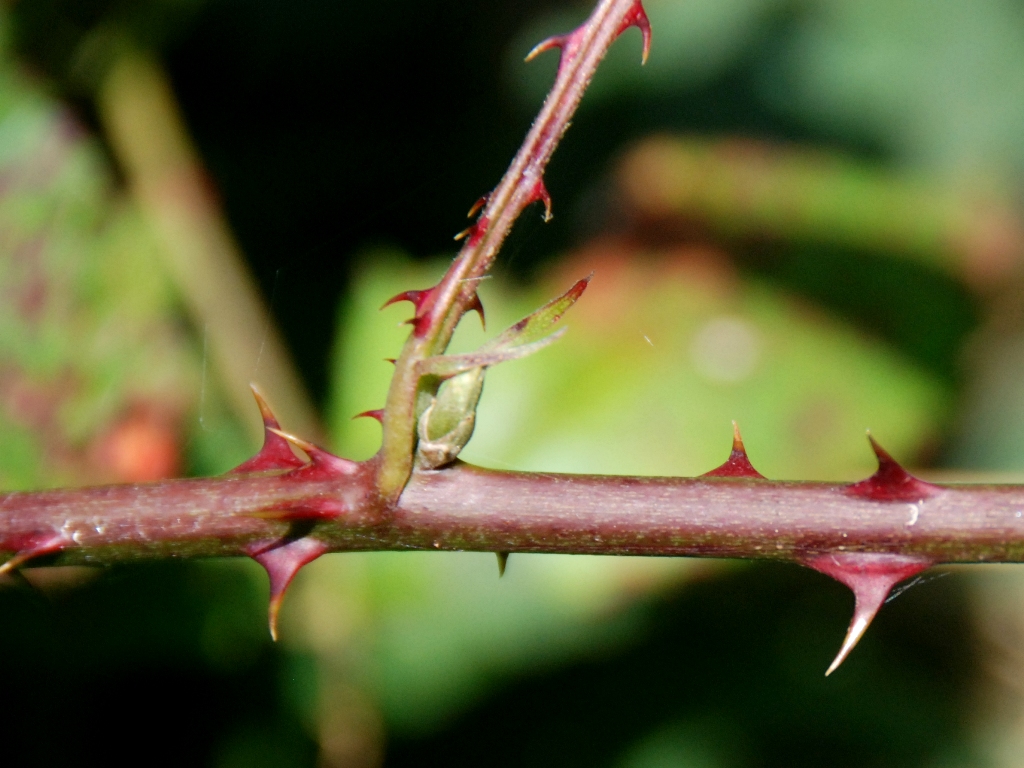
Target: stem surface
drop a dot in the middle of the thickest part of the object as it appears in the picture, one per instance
(468, 508)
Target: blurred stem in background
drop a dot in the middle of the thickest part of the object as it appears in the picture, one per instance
(750, 190)
(143, 124)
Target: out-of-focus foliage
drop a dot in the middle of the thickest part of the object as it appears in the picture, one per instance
(96, 373)
(663, 350)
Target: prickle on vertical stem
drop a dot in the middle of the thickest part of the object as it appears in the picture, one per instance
(569, 43)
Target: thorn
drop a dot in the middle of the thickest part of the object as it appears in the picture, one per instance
(540, 192)
(476, 305)
(418, 298)
(502, 562)
(421, 300)
(555, 41)
(891, 482)
(871, 576)
(569, 45)
(32, 546)
(464, 233)
(637, 17)
(391, 360)
(282, 562)
(737, 465)
(478, 205)
(275, 453)
(377, 414)
(323, 465)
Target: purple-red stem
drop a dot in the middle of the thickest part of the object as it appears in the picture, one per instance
(468, 508)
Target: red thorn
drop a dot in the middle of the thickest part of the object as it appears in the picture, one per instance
(569, 45)
(737, 465)
(391, 360)
(475, 232)
(421, 300)
(377, 414)
(502, 562)
(540, 192)
(275, 453)
(871, 576)
(476, 305)
(891, 482)
(555, 41)
(323, 465)
(478, 205)
(31, 546)
(418, 298)
(637, 17)
(282, 562)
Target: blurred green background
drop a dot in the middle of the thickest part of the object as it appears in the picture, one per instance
(805, 216)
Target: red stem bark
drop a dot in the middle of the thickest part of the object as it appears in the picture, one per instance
(468, 508)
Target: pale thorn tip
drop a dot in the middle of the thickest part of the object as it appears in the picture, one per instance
(858, 627)
(272, 612)
(298, 442)
(737, 438)
(544, 45)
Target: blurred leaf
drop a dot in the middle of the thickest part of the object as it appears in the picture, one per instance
(660, 354)
(939, 82)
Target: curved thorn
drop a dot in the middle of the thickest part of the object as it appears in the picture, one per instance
(871, 576)
(281, 563)
(478, 205)
(502, 562)
(540, 193)
(637, 17)
(477, 306)
(377, 414)
(416, 297)
(555, 41)
(34, 546)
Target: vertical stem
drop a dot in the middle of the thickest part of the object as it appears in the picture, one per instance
(582, 51)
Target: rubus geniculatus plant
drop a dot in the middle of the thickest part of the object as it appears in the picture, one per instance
(285, 511)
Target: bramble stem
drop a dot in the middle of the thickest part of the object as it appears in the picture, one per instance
(468, 508)
(517, 189)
